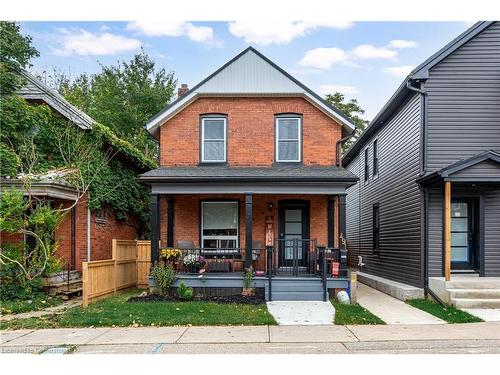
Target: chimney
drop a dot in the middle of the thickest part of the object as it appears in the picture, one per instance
(181, 91)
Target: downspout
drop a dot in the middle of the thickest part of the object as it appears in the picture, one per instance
(423, 170)
(338, 145)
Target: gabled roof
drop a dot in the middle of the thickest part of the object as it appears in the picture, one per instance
(249, 73)
(451, 170)
(420, 73)
(39, 91)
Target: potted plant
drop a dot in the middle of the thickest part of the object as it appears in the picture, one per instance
(171, 256)
(247, 283)
(193, 263)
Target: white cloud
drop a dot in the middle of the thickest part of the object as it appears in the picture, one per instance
(199, 34)
(399, 71)
(323, 58)
(343, 89)
(279, 32)
(367, 51)
(82, 42)
(401, 43)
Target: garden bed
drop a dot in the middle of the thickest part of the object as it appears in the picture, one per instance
(247, 300)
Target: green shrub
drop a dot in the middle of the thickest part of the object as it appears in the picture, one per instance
(185, 292)
(164, 277)
(247, 280)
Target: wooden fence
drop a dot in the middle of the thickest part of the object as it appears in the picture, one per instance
(129, 267)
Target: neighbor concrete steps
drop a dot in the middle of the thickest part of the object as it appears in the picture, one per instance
(468, 292)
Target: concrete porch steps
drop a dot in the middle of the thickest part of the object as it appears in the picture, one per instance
(484, 303)
(296, 289)
(468, 292)
(475, 293)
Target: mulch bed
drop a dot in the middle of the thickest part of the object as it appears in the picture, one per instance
(250, 300)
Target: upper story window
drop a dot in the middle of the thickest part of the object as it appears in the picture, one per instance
(213, 139)
(367, 166)
(375, 158)
(288, 139)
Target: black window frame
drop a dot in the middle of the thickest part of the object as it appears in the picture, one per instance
(375, 163)
(376, 229)
(367, 165)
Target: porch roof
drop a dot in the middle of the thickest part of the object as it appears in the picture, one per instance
(278, 179)
(481, 168)
(275, 173)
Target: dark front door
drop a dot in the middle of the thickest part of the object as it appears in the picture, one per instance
(464, 234)
(293, 233)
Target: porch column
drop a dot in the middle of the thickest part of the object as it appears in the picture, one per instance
(155, 233)
(248, 229)
(170, 221)
(330, 232)
(342, 220)
(447, 230)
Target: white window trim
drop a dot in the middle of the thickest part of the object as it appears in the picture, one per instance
(203, 160)
(235, 238)
(278, 139)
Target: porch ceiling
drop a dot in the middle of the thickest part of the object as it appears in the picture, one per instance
(278, 179)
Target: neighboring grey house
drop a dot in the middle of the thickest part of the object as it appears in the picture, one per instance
(441, 127)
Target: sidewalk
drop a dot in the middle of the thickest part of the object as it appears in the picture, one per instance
(391, 310)
(450, 338)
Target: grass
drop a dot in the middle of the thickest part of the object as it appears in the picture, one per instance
(38, 302)
(449, 313)
(115, 311)
(354, 314)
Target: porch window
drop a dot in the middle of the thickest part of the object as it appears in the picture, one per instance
(376, 229)
(219, 226)
(288, 139)
(213, 140)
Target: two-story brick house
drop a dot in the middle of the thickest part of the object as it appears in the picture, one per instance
(249, 158)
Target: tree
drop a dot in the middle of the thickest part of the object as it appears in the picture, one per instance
(123, 96)
(16, 52)
(353, 111)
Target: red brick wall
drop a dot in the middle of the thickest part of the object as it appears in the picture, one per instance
(102, 232)
(187, 216)
(250, 131)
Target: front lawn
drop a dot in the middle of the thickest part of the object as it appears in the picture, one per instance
(354, 314)
(449, 313)
(38, 302)
(116, 311)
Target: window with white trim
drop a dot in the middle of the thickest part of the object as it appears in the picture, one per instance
(219, 225)
(288, 139)
(213, 139)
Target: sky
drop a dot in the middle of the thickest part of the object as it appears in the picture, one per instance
(363, 60)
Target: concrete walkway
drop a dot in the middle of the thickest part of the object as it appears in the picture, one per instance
(54, 310)
(302, 312)
(488, 315)
(392, 310)
(450, 338)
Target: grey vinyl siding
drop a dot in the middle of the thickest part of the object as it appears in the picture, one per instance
(464, 101)
(492, 232)
(485, 169)
(398, 196)
(435, 232)
(352, 214)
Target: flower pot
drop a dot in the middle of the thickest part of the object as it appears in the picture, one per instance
(247, 292)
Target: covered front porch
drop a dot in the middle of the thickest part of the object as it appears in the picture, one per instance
(281, 227)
